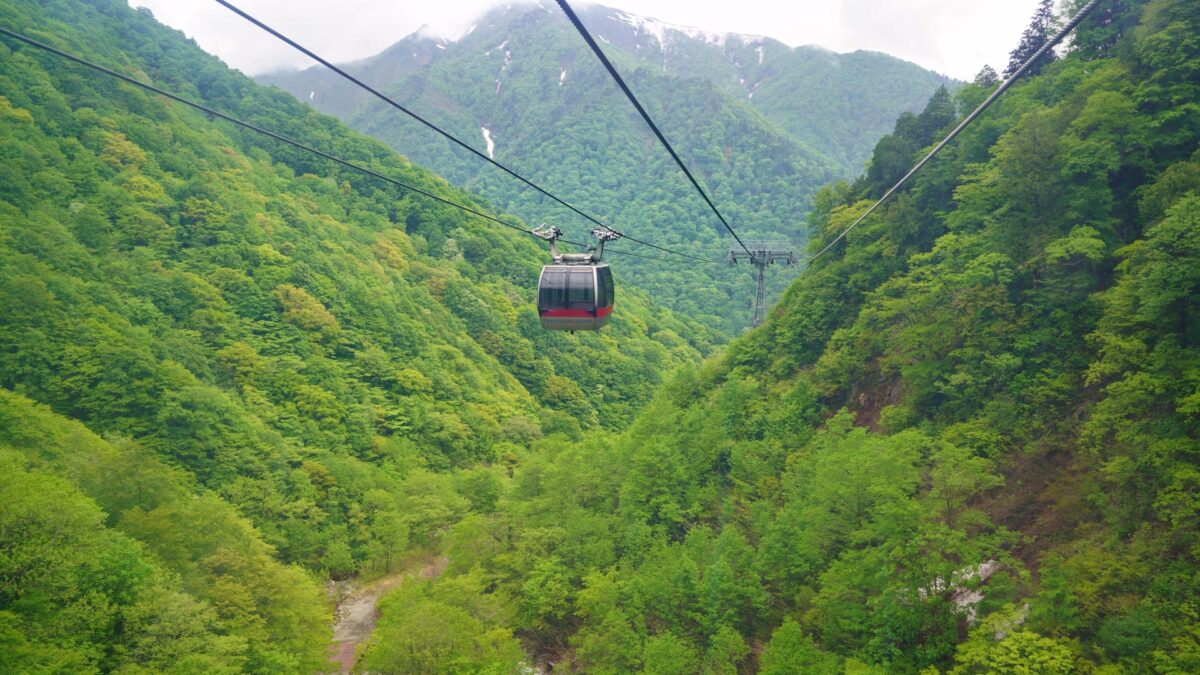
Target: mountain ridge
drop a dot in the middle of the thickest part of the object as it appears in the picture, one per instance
(639, 36)
(523, 87)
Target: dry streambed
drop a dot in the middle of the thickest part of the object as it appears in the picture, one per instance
(357, 611)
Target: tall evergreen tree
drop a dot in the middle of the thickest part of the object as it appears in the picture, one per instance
(1106, 26)
(1036, 35)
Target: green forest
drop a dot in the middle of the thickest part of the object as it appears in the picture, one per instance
(966, 440)
(762, 135)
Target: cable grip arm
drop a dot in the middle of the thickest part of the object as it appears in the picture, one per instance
(550, 233)
(602, 236)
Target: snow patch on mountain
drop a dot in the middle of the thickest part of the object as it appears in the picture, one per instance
(487, 136)
(660, 31)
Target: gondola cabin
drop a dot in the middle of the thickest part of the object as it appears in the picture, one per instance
(576, 292)
(575, 297)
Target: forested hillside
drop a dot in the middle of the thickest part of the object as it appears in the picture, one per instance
(228, 369)
(761, 124)
(966, 441)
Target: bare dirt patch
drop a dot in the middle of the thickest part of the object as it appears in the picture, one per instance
(356, 614)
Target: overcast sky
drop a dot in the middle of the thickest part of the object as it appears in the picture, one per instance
(954, 37)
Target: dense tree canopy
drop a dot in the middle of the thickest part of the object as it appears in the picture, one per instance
(965, 441)
(312, 353)
(761, 125)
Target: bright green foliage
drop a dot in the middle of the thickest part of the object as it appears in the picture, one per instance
(965, 441)
(157, 581)
(791, 651)
(666, 654)
(998, 645)
(1021, 652)
(441, 630)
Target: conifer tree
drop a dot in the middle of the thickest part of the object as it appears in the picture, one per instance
(987, 77)
(1036, 35)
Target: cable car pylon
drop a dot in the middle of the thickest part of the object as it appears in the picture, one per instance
(760, 254)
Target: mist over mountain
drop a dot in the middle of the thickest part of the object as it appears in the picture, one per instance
(838, 103)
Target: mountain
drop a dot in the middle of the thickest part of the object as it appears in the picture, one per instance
(230, 368)
(837, 103)
(967, 439)
(522, 86)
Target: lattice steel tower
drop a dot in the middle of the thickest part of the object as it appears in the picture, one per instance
(762, 253)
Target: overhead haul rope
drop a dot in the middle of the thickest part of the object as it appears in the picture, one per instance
(566, 8)
(266, 132)
(1071, 25)
(454, 139)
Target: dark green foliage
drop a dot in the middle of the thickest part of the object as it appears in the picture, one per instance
(1036, 35)
(895, 154)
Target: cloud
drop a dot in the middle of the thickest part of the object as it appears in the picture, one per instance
(339, 30)
(956, 37)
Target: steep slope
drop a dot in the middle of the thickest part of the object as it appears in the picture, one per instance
(113, 563)
(522, 86)
(838, 104)
(848, 100)
(965, 441)
(306, 349)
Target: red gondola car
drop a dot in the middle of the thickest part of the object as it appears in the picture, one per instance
(576, 292)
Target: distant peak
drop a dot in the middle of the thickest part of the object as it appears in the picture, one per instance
(660, 30)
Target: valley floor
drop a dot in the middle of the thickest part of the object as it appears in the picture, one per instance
(356, 613)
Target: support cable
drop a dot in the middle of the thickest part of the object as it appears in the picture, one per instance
(1004, 86)
(257, 129)
(454, 139)
(587, 37)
